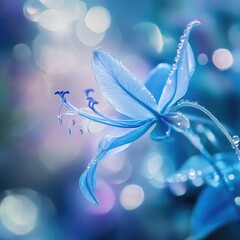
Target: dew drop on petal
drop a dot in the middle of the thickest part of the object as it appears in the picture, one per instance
(192, 174)
(236, 140)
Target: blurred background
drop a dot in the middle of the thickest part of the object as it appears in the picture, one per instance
(46, 45)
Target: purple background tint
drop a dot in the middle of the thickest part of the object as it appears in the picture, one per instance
(37, 154)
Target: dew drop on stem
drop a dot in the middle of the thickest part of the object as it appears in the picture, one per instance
(236, 140)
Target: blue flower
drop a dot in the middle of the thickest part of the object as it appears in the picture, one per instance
(143, 105)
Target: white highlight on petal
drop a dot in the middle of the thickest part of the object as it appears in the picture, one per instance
(131, 197)
(222, 59)
(18, 214)
(98, 19)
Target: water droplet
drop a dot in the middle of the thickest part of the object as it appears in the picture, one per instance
(213, 179)
(236, 140)
(192, 174)
(178, 120)
(182, 38)
(231, 176)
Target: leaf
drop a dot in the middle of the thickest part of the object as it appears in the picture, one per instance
(213, 210)
(121, 89)
(157, 79)
(178, 80)
(108, 146)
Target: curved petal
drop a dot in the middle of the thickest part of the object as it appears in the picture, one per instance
(213, 210)
(178, 80)
(108, 146)
(157, 79)
(160, 132)
(121, 89)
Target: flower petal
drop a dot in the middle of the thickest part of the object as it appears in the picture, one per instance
(110, 145)
(160, 132)
(213, 210)
(178, 80)
(121, 89)
(157, 79)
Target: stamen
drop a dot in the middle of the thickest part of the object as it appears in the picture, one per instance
(60, 119)
(80, 131)
(87, 91)
(91, 101)
(122, 123)
(69, 131)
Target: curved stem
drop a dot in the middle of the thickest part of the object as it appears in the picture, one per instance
(212, 117)
(195, 140)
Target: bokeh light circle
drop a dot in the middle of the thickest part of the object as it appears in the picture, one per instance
(86, 36)
(21, 52)
(202, 59)
(98, 19)
(54, 21)
(18, 214)
(131, 197)
(222, 59)
(106, 197)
